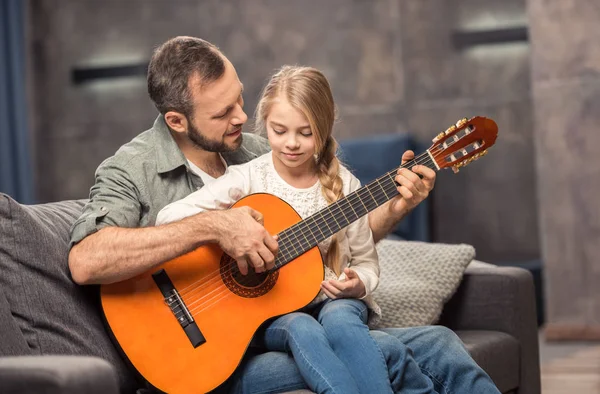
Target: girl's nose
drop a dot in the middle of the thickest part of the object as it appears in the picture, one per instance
(292, 143)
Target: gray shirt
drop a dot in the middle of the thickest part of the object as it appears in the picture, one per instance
(144, 176)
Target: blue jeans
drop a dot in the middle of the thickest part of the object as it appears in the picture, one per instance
(332, 348)
(437, 350)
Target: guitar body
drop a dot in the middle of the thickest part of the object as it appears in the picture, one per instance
(226, 309)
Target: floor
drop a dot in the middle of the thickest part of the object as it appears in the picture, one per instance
(570, 367)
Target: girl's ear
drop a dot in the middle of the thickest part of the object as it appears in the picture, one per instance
(176, 121)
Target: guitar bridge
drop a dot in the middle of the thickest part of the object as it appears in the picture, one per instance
(178, 308)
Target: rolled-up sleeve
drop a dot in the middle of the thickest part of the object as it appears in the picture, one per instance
(114, 201)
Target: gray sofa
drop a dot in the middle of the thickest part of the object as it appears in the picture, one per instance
(52, 337)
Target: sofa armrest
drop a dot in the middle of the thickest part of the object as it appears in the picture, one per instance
(57, 375)
(499, 299)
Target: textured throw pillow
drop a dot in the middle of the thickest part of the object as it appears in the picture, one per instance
(417, 279)
(55, 315)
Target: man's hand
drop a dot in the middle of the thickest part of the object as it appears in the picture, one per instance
(242, 236)
(412, 188)
(351, 287)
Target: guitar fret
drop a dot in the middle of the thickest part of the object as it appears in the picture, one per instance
(386, 196)
(315, 239)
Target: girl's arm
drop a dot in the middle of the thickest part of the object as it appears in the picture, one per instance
(363, 255)
(218, 194)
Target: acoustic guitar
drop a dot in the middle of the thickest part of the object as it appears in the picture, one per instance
(186, 324)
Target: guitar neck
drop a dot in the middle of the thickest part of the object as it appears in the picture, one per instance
(306, 234)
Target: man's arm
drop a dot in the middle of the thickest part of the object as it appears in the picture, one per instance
(114, 254)
(413, 189)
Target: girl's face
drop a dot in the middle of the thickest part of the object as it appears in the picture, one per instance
(290, 136)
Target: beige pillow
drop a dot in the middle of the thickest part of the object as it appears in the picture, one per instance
(417, 279)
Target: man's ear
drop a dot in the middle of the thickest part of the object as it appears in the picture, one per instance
(176, 121)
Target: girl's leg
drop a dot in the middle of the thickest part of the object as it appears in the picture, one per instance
(301, 335)
(344, 322)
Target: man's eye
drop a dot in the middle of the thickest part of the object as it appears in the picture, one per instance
(222, 116)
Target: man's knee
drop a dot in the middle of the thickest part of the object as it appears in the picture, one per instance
(444, 336)
(391, 347)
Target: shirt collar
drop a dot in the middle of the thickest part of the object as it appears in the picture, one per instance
(169, 156)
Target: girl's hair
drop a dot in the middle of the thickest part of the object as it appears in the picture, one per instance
(307, 90)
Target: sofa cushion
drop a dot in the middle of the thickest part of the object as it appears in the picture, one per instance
(12, 342)
(55, 315)
(497, 353)
(416, 280)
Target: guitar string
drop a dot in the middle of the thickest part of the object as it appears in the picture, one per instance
(186, 291)
(380, 191)
(414, 161)
(222, 294)
(295, 233)
(344, 210)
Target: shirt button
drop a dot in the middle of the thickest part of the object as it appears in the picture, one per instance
(103, 209)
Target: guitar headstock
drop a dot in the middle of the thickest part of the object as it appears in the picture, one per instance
(463, 142)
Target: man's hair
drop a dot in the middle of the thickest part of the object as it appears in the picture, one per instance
(172, 65)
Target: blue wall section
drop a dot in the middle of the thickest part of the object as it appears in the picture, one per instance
(15, 165)
(371, 157)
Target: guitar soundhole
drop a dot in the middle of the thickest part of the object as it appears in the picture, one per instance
(249, 286)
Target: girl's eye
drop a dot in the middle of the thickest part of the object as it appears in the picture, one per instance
(307, 134)
(278, 131)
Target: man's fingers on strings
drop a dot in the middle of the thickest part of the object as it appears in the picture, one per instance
(266, 255)
(242, 265)
(257, 262)
(271, 243)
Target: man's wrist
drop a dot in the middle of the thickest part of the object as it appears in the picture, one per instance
(205, 227)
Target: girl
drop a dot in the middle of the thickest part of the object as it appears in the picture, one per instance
(329, 339)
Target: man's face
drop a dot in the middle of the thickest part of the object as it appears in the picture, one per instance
(217, 115)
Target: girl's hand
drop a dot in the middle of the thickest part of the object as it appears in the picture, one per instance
(351, 287)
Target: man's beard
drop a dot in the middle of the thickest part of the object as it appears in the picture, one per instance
(211, 146)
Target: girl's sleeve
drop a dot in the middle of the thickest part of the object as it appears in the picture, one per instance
(363, 254)
(218, 194)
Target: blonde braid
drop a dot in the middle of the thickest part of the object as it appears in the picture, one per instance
(328, 170)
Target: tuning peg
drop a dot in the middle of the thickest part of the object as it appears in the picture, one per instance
(438, 137)
(455, 169)
(461, 122)
(450, 129)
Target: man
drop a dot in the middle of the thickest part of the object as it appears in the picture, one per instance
(196, 136)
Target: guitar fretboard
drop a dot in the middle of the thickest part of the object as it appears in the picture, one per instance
(306, 234)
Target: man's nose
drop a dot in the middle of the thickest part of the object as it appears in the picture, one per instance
(240, 117)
